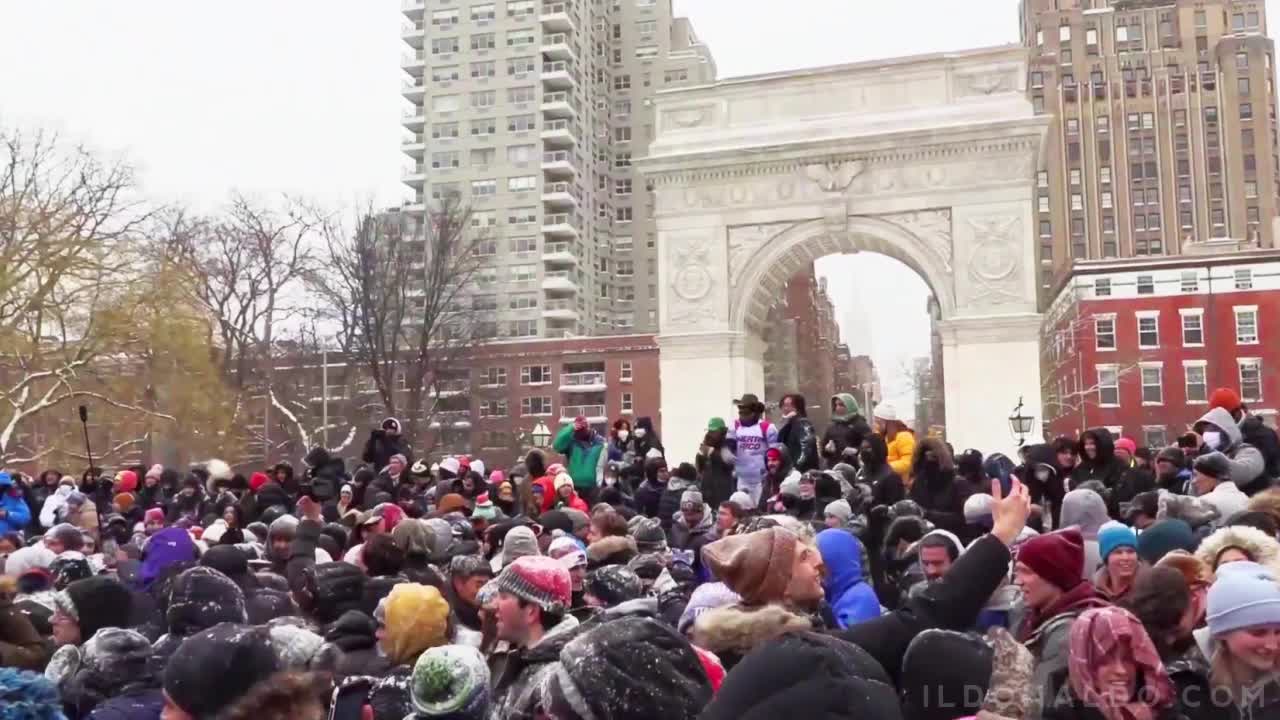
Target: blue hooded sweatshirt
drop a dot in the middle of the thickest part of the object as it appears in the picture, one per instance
(851, 599)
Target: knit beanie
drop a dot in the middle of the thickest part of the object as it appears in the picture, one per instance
(257, 480)
(540, 580)
(1115, 535)
(1244, 595)
(126, 481)
(756, 565)
(67, 534)
(1128, 445)
(840, 510)
(1058, 557)
(691, 500)
(707, 596)
(613, 585)
(27, 695)
(1215, 465)
(519, 542)
(567, 551)
(649, 536)
(95, 603)
(153, 515)
(69, 567)
(743, 501)
(451, 502)
(214, 668)
(416, 618)
(450, 681)
(1163, 538)
(155, 471)
(1172, 455)
(563, 481)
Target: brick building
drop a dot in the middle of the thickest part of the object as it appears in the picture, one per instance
(1137, 346)
(803, 345)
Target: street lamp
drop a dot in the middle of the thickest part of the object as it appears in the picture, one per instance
(1020, 424)
(541, 435)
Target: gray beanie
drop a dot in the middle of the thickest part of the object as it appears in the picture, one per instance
(691, 500)
(840, 510)
(743, 501)
(517, 543)
(1215, 465)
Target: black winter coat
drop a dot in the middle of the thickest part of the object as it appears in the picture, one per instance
(942, 499)
(1105, 468)
(380, 446)
(843, 435)
(356, 635)
(801, 441)
(715, 475)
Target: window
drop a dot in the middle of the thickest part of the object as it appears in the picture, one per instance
(645, 30)
(493, 408)
(444, 46)
(535, 375)
(444, 18)
(1148, 329)
(1154, 436)
(522, 215)
(522, 183)
(1250, 379)
(445, 160)
(521, 153)
(524, 273)
(1046, 229)
(624, 373)
(622, 187)
(1104, 174)
(625, 269)
(628, 403)
(1102, 287)
(1242, 85)
(1073, 127)
(520, 38)
(444, 130)
(520, 9)
(1077, 201)
(524, 245)
(523, 328)
(521, 66)
(484, 127)
(483, 218)
(521, 123)
(622, 82)
(623, 214)
(622, 107)
(446, 103)
(1246, 111)
(1246, 324)
(1042, 203)
(1190, 281)
(647, 51)
(1193, 327)
(1064, 33)
(1102, 122)
(483, 41)
(523, 302)
(444, 73)
(622, 134)
(484, 187)
(484, 99)
(1146, 285)
(1244, 279)
(493, 377)
(518, 95)
(1106, 199)
(1090, 37)
(622, 160)
(1251, 188)
(1152, 384)
(482, 13)
(1196, 381)
(1108, 386)
(534, 406)
(1104, 332)
(441, 191)
(485, 69)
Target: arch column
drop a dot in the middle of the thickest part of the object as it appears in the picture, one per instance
(988, 363)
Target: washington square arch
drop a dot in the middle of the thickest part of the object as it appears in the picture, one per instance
(930, 160)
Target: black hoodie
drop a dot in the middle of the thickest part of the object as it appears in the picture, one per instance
(798, 435)
(937, 490)
(1105, 468)
(650, 441)
(886, 485)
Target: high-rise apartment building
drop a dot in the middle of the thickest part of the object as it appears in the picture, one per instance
(531, 112)
(1164, 130)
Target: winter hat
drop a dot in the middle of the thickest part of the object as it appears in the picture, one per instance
(334, 588)
(519, 542)
(450, 681)
(451, 502)
(1225, 398)
(568, 551)
(228, 560)
(27, 695)
(977, 507)
(417, 618)
(840, 510)
(95, 603)
(296, 646)
(75, 499)
(1214, 464)
(153, 515)
(578, 520)
(111, 659)
(67, 534)
(1086, 509)
(1164, 537)
(283, 525)
(756, 565)
(214, 668)
(944, 674)
(69, 567)
(1128, 445)
(1244, 595)
(691, 500)
(562, 481)
(631, 668)
(155, 471)
(743, 501)
(649, 536)
(540, 580)
(126, 481)
(1058, 557)
(202, 597)
(554, 520)
(257, 480)
(1173, 455)
(613, 585)
(707, 596)
(1115, 535)
(451, 464)
(716, 424)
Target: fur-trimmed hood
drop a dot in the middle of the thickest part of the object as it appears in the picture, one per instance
(620, 548)
(1260, 547)
(737, 629)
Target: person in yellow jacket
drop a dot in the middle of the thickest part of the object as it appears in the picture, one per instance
(899, 439)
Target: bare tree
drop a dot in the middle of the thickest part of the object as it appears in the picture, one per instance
(69, 232)
(1059, 357)
(400, 293)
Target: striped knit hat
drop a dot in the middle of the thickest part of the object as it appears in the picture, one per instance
(450, 681)
(540, 580)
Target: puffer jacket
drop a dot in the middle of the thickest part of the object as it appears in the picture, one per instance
(901, 451)
(852, 600)
(798, 435)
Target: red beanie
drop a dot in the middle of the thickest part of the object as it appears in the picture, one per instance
(126, 481)
(1128, 444)
(1225, 398)
(1058, 557)
(257, 480)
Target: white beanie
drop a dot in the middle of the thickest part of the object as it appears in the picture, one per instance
(451, 464)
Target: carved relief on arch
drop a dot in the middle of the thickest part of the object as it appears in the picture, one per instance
(693, 283)
(993, 267)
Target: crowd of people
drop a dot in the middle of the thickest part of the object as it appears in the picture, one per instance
(859, 572)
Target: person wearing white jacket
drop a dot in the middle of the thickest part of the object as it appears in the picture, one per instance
(1214, 487)
(54, 509)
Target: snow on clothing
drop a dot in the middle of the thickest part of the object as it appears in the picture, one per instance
(517, 687)
(1086, 510)
(852, 600)
(112, 663)
(1105, 467)
(199, 599)
(845, 431)
(55, 506)
(751, 443)
(213, 668)
(450, 681)
(586, 458)
(691, 540)
(800, 439)
(1246, 461)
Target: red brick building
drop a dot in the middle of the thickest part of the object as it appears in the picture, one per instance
(803, 352)
(1137, 346)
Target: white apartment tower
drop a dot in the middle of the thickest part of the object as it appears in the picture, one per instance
(532, 112)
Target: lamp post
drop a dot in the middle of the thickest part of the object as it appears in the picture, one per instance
(541, 435)
(1020, 424)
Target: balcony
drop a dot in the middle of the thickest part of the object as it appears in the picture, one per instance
(414, 63)
(583, 382)
(566, 310)
(415, 147)
(415, 35)
(559, 225)
(413, 9)
(414, 177)
(559, 281)
(556, 46)
(413, 89)
(560, 195)
(558, 105)
(593, 413)
(460, 419)
(555, 17)
(415, 118)
(557, 75)
(558, 163)
(559, 133)
(452, 388)
(559, 253)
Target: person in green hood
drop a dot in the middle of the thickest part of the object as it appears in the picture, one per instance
(844, 435)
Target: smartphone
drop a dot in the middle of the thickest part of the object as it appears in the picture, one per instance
(349, 700)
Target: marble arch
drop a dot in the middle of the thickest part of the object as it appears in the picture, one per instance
(928, 159)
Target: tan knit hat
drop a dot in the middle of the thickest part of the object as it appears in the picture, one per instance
(756, 565)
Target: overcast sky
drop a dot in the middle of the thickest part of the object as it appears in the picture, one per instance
(302, 96)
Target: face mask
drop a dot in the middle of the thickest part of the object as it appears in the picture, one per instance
(641, 432)
(623, 435)
(1212, 439)
(1042, 474)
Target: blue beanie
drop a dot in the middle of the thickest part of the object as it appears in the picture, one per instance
(1244, 595)
(1164, 537)
(1114, 535)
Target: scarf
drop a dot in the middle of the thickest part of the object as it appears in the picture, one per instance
(1081, 597)
(1095, 636)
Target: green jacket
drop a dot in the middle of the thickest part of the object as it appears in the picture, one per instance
(585, 461)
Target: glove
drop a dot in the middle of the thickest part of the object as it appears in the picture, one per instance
(1010, 694)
